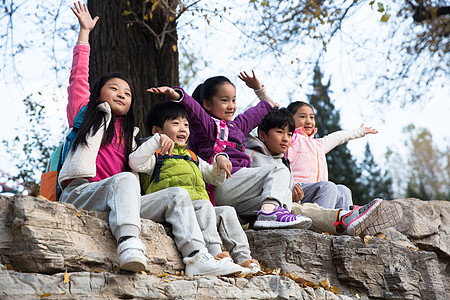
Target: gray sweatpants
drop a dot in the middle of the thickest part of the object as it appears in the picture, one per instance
(249, 188)
(120, 196)
(327, 194)
(221, 224)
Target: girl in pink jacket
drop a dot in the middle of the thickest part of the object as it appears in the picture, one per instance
(308, 162)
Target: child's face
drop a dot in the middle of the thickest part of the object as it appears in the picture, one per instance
(177, 130)
(277, 140)
(117, 93)
(223, 104)
(304, 117)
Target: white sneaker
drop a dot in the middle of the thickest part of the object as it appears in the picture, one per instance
(204, 263)
(131, 255)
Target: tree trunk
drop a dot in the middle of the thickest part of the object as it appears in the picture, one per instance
(132, 51)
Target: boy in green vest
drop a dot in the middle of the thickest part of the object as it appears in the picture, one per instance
(164, 162)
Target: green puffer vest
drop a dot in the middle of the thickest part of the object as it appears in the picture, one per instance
(177, 172)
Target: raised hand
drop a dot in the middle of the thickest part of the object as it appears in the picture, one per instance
(84, 18)
(251, 81)
(369, 129)
(165, 90)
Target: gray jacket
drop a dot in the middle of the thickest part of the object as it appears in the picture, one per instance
(260, 155)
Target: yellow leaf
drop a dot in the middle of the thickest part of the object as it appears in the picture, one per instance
(78, 214)
(41, 197)
(325, 283)
(144, 273)
(174, 48)
(385, 18)
(126, 12)
(367, 239)
(45, 295)
(163, 275)
(66, 277)
(380, 235)
(171, 18)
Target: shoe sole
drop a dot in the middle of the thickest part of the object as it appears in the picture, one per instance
(135, 265)
(298, 224)
(234, 271)
(390, 215)
(361, 223)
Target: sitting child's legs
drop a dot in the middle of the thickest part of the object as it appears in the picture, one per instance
(344, 197)
(249, 188)
(324, 193)
(206, 218)
(232, 234)
(120, 196)
(263, 190)
(174, 205)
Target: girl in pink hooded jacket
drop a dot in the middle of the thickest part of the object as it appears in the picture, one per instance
(308, 162)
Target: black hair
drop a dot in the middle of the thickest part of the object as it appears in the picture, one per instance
(294, 106)
(277, 118)
(94, 118)
(162, 112)
(208, 89)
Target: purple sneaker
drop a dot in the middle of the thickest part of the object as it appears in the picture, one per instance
(281, 218)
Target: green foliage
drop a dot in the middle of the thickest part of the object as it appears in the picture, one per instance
(428, 167)
(31, 150)
(377, 184)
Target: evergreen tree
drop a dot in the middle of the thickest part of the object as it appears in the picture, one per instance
(377, 184)
(342, 167)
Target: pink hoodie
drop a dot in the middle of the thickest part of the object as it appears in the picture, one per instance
(307, 154)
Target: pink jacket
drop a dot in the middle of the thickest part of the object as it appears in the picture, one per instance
(307, 154)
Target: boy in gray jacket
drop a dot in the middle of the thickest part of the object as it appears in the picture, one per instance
(274, 138)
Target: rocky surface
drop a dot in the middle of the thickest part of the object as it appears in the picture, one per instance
(42, 240)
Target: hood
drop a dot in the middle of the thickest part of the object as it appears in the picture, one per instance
(301, 131)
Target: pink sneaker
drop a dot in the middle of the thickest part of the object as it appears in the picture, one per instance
(360, 217)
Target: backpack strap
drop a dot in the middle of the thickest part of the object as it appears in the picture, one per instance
(221, 141)
(72, 134)
(160, 158)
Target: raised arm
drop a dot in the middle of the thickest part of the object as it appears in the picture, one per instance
(253, 83)
(86, 22)
(78, 89)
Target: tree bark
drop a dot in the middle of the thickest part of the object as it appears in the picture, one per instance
(132, 51)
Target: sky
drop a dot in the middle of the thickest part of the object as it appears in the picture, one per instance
(222, 50)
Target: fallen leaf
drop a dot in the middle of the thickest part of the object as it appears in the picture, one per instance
(66, 277)
(367, 239)
(45, 295)
(380, 235)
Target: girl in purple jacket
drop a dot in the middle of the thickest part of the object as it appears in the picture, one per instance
(262, 191)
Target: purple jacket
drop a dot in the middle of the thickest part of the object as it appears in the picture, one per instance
(204, 131)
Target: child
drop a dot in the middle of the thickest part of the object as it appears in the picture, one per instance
(263, 190)
(169, 126)
(94, 175)
(308, 161)
(274, 138)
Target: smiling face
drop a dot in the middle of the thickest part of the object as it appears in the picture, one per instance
(117, 93)
(176, 129)
(277, 140)
(223, 103)
(304, 117)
